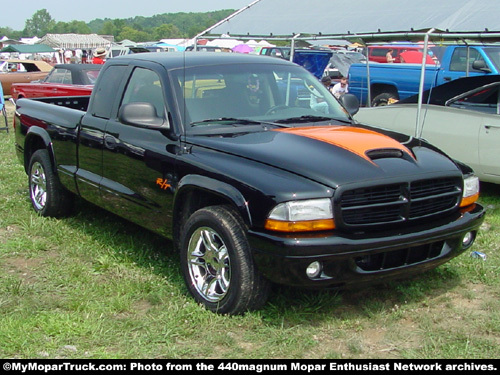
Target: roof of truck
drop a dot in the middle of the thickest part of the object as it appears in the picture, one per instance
(174, 60)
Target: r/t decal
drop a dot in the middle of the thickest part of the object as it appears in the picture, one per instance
(163, 183)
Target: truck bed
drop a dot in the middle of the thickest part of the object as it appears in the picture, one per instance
(80, 103)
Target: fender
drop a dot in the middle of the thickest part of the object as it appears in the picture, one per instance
(384, 82)
(37, 138)
(216, 187)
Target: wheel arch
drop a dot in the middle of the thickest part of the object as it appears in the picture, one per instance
(37, 139)
(196, 191)
(382, 88)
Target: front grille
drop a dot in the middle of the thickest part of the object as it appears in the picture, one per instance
(399, 258)
(397, 203)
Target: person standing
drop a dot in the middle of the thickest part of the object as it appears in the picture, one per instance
(99, 55)
(388, 56)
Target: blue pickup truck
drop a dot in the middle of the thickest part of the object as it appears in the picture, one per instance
(398, 81)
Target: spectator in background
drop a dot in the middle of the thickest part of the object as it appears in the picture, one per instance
(340, 88)
(99, 55)
(388, 56)
(67, 56)
(73, 59)
(326, 81)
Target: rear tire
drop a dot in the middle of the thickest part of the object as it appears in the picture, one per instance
(217, 263)
(384, 99)
(48, 197)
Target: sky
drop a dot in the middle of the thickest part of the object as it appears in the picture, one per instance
(16, 14)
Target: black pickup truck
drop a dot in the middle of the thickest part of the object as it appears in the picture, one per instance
(256, 172)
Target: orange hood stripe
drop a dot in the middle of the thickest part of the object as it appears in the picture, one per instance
(356, 140)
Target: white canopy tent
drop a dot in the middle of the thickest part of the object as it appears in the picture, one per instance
(346, 17)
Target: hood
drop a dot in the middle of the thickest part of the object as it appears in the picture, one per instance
(335, 155)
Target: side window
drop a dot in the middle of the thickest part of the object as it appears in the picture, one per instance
(459, 59)
(379, 51)
(57, 76)
(105, 93)
(67, 78)
(145, 86)
(474, 56)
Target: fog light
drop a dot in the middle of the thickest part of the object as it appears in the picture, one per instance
(468, 240)
(313, 270)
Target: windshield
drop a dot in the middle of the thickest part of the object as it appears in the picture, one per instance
(258, 93)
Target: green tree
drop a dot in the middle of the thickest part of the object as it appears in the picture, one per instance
(166, 31)
(39, 24)
(131, 34)
(10, 33)
(108, 28)
(75, 27)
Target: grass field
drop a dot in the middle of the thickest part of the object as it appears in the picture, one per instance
(95, 286)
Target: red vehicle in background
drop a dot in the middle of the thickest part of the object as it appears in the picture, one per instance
(63, 80)
(413, 53)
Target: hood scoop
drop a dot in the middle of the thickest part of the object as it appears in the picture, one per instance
(365, 143)
(385, 153)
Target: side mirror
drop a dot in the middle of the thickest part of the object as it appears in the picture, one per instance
(350, 103)
(140, 114)
(480, 65)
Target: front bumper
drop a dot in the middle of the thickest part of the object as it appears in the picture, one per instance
(354, 259)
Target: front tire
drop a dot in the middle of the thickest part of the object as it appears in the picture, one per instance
(217, 263)
(48, 197)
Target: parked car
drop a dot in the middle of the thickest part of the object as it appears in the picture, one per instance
(202, 48)
(378, 53)
(462, 119)
(116, 51)
(63, 80)
(281, 52)
(17, 71)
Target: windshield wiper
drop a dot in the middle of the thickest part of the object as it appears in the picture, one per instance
(226, 121)
(234, 122)
(309, 118)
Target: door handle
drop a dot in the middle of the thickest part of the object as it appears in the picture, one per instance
(110, 142)
(488, 126)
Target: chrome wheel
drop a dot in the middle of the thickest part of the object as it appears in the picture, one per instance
(38, 186)
(209, 264)
(217, 262)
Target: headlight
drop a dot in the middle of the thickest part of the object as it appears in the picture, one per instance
(471, 191)
(302, 216)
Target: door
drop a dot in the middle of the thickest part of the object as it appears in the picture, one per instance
(489, 136)
(139, 162)
(489, 146)
(461, 62)
(91, 139)
(481, 108)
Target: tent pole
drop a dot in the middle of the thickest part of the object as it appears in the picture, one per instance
(292, 47)
(226, 19)
(368, 85)
(418, 129)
